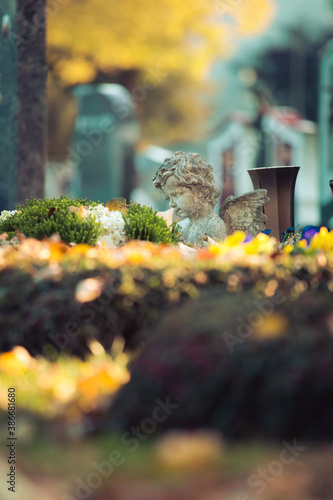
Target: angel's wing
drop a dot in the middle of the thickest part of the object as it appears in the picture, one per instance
(245, 213)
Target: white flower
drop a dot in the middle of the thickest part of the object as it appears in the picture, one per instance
(113, 223)
(7, 213)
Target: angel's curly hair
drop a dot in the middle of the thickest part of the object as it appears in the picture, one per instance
(191, 170)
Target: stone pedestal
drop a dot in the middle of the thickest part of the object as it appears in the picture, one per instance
(280, 185)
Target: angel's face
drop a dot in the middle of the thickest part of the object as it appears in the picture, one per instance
(181, 198)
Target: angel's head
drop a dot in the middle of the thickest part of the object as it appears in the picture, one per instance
(185, 180)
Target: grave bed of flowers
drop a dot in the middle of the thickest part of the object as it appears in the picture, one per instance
(234, 332)
(56, 298)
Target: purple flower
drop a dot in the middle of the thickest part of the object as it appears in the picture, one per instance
(309, 232)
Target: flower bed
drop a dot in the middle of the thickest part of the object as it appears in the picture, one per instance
(56, 298)
(246, 329)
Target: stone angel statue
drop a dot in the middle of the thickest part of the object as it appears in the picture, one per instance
(186, 180)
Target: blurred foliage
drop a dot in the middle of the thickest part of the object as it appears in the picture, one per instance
(175, 109)
(275, 382)
(42, 218)
(56, 298)
(147, 35)
(244, 344)
(67, 388)
(160, 52)
(67, 296)
(248, 366)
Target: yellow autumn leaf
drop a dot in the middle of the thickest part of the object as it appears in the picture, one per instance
(82, 212)
(117, 205)
(100, 382)
(167, 215)
(72, 209)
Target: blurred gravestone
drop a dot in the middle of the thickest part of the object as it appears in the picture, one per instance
(326, 131)
(106, 131)
(23, 72)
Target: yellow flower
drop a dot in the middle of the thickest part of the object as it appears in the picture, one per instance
(262, 243)
(214, 250)
(288, 248)
(302, 244)
(235, 239)
(322, 240)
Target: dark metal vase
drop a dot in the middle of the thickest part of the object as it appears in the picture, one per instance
(280, 185)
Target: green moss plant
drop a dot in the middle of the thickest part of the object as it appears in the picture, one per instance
(40, 218)
(143, 223)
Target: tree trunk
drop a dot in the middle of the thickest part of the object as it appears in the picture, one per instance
(23, 74)
(32, 74)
